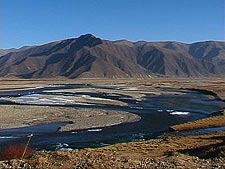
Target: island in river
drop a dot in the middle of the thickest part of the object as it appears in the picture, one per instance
(75, 119)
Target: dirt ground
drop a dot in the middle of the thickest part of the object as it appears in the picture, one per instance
(24, 116)
(206, 151)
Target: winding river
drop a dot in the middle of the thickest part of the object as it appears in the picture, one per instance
(157, 114)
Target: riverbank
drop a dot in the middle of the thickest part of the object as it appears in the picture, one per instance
(24, 116)
(202, 151)
(206, 151)
(217, 88)
(210, 122)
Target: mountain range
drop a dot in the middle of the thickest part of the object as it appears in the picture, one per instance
(90, 57)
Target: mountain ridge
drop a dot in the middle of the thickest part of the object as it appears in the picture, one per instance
(90, 57)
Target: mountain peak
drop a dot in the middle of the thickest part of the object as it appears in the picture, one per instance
(89, 40)
(90, 57)
(88, 35)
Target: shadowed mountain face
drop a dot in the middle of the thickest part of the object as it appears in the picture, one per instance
(91, 57)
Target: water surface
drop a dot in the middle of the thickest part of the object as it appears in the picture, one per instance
(157, 114)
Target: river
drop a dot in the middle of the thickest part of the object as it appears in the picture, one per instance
(157, 114)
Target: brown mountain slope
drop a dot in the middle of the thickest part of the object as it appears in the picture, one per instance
(88, 56)
(6, 51)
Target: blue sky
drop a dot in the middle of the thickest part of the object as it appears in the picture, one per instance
(32, 22)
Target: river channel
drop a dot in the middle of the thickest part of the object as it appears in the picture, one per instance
(157, 114)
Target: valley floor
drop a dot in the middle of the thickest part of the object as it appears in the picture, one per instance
(167, 151)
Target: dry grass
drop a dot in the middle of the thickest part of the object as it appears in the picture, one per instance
(211, 122)
(151, 154)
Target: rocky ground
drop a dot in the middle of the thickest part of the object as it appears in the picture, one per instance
(24, 116)
(207, 151)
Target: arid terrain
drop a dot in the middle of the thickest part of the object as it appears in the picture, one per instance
(170, 150)
(112, 84)
(88, 56)
(23, 116)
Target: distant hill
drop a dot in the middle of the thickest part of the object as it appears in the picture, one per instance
(90, 57)
(6, 51)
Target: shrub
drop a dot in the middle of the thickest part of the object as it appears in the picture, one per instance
(16, 152)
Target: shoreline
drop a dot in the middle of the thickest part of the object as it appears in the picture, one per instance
(209, 122)
(19, 116)
(202, 151)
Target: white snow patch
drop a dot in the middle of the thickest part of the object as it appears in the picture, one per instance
(41, 99)
(179, 113)
(7, 137)
(94, 130)
(169, 110)
(95, 98)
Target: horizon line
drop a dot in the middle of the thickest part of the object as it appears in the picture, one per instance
(135, 41)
